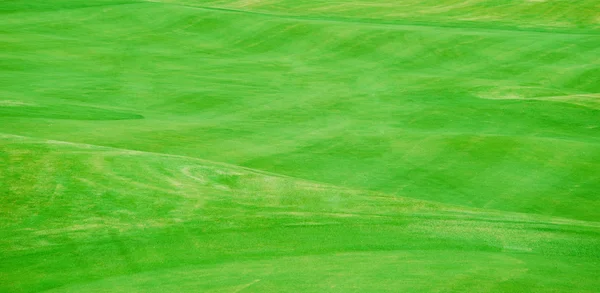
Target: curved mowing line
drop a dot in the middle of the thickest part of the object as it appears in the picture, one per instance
(398, 24)
(451, 212)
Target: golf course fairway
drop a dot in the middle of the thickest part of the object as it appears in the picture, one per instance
(299, 146)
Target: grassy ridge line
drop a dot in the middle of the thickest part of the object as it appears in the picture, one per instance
(102, 216)
(432, 210)
(473, 28)
(88, 186)
(29, 139)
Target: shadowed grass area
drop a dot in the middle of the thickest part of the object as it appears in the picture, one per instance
(266, 146)
(12, 109)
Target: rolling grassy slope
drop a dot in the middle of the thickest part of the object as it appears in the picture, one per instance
(189, 224)
(222, 146)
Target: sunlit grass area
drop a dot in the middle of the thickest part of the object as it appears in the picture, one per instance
(299, 146)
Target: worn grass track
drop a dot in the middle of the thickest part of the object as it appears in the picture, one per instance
(268, 146)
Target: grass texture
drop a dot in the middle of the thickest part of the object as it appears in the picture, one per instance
(299, 146)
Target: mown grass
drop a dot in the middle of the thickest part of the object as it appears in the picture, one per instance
(269, 146)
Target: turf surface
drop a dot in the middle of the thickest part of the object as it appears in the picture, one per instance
(299, 146)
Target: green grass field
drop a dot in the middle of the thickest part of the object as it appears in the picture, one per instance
(299, 146)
